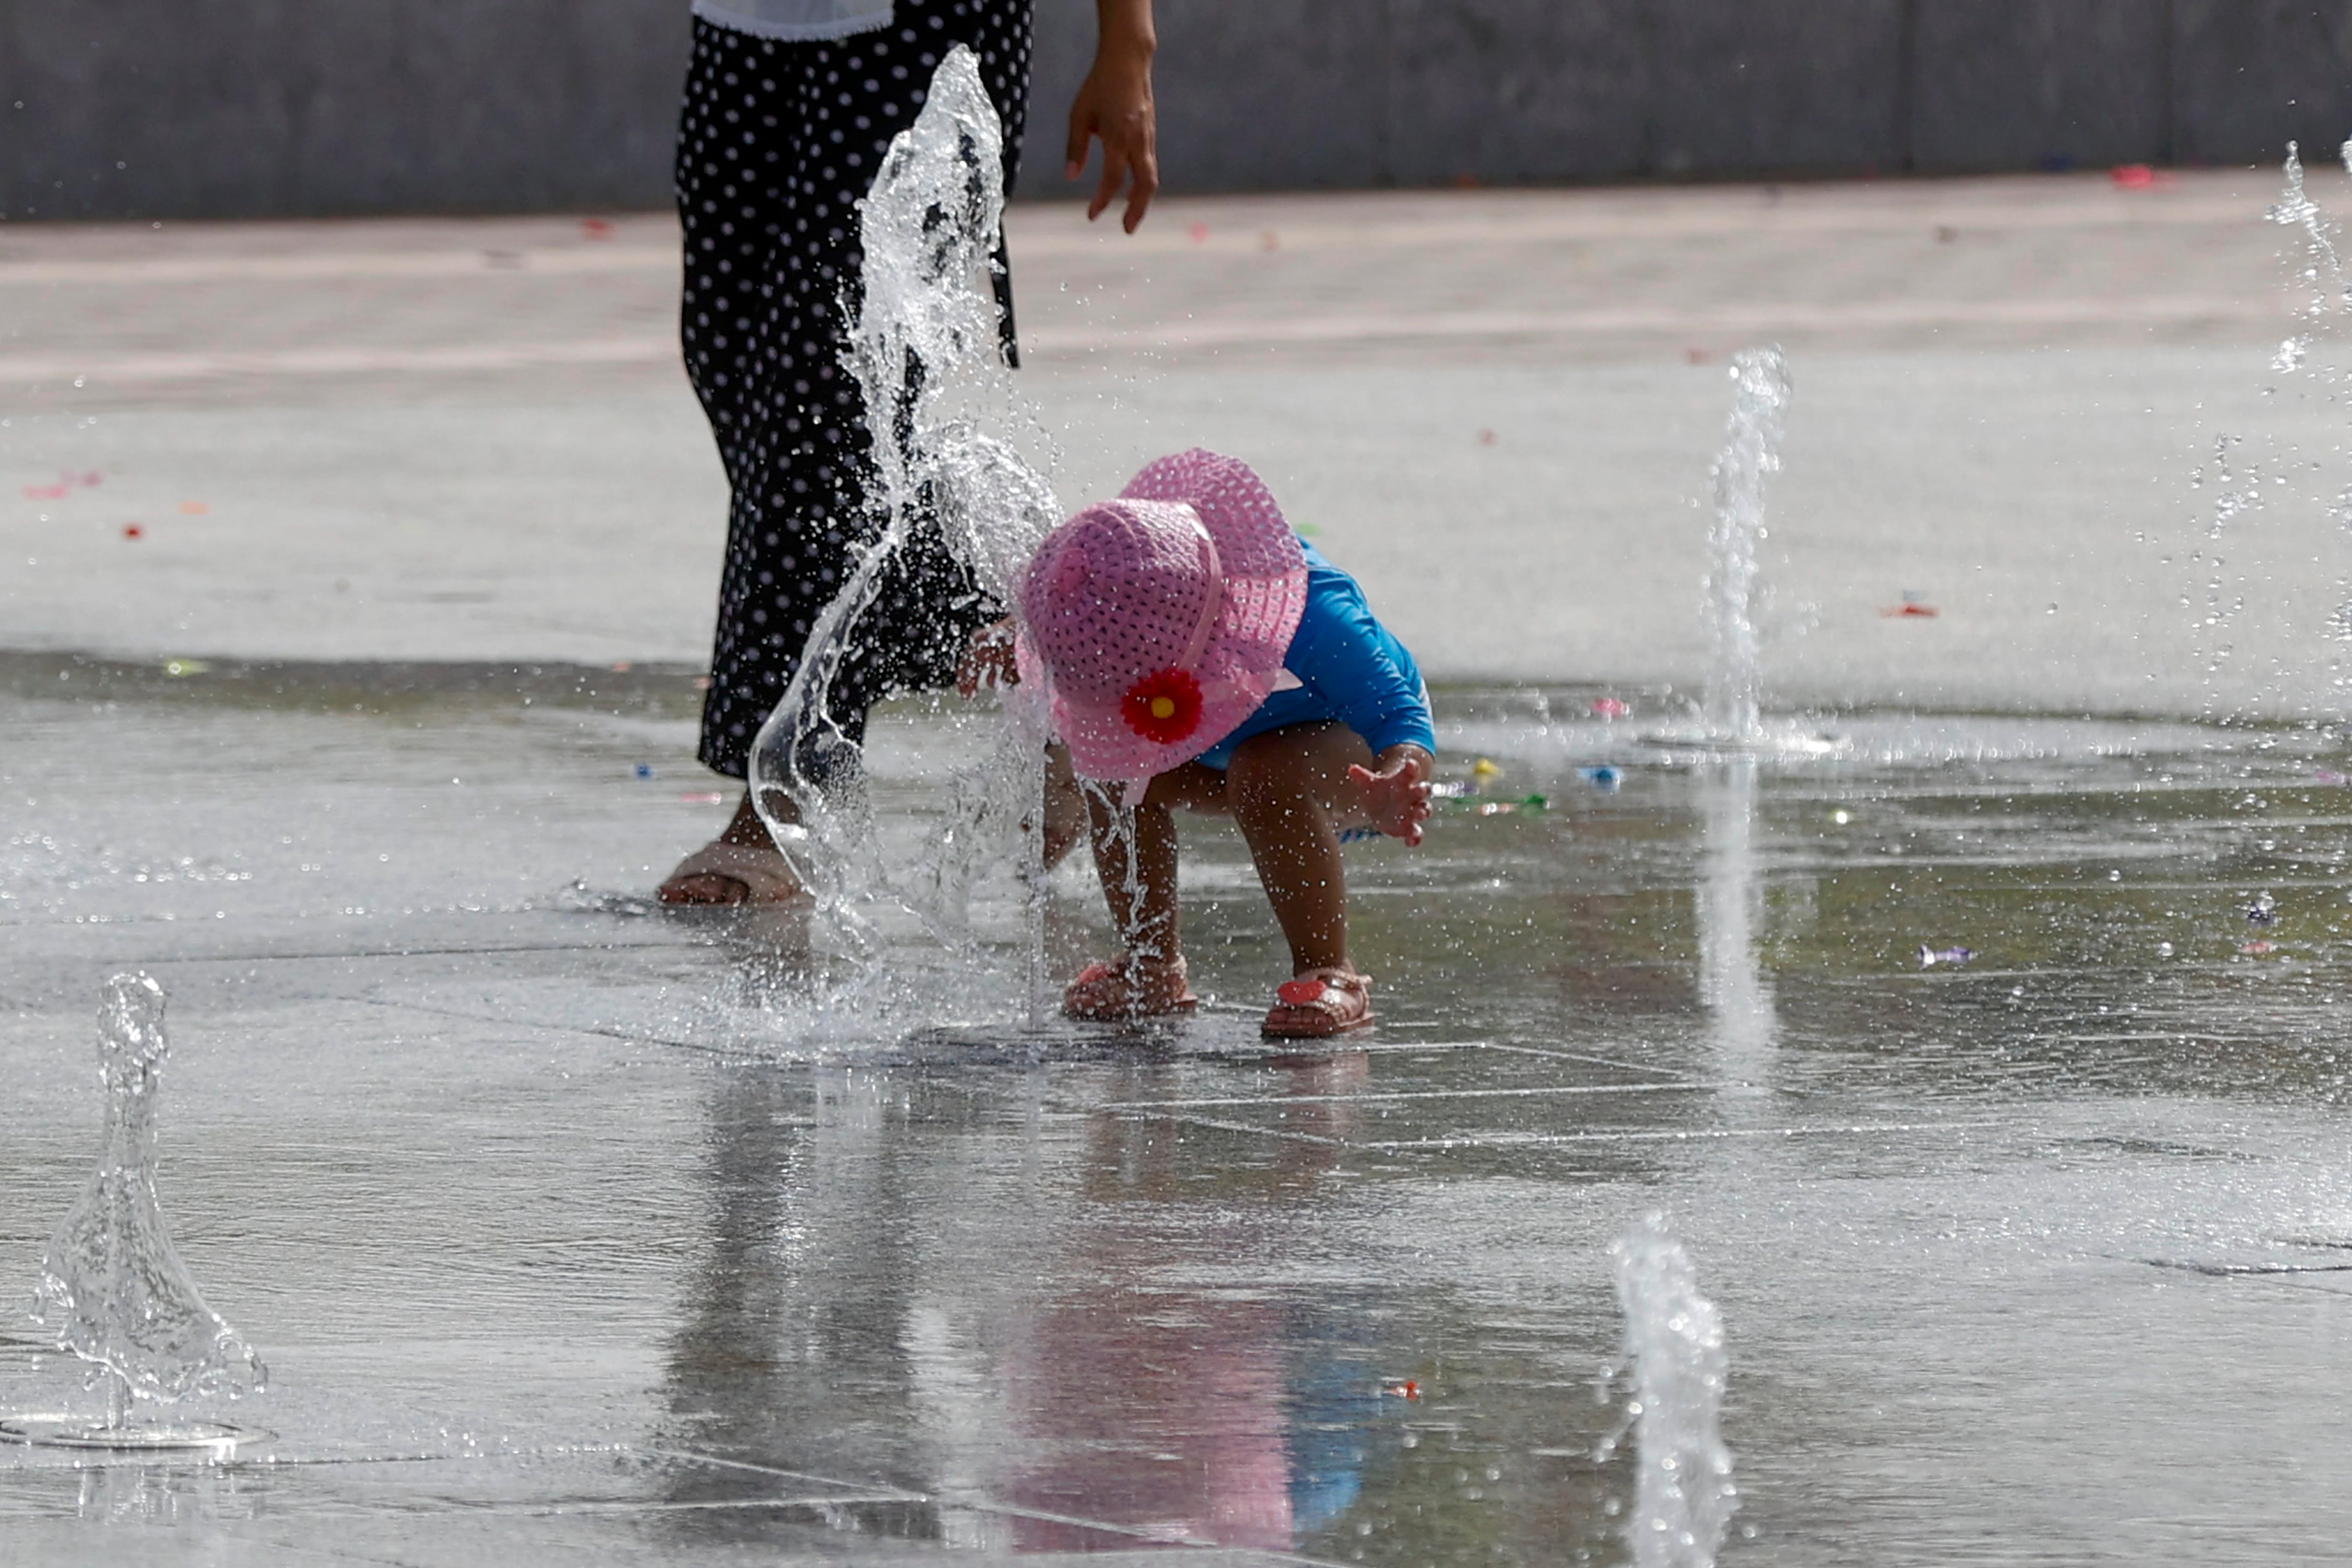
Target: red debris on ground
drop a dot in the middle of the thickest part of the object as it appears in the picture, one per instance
(1924, 612)
(90, 480)
(132, 531)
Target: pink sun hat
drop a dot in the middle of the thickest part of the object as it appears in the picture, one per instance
(1157, 622)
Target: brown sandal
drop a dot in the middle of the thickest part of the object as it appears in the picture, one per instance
(1109, 993)
(759, 869)
(1320, 1003)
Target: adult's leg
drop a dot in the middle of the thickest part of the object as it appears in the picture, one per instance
(734, 201)
(805, 484)
(927, 604)
(777, 147)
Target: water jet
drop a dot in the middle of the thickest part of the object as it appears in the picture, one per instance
(112, 1289)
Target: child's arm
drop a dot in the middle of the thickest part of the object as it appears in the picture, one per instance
(1342, 655)
(1397, 797)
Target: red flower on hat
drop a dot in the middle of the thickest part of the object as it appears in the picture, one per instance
(1163, 707)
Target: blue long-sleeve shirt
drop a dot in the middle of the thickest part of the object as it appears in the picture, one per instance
(1349, 667)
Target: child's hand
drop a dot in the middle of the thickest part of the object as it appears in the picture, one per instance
(1397, 797)
(989, 660)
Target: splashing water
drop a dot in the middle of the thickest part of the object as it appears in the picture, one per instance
(2237, 491)
(1683, 1495)
(2322, 266)
(1732, 983)
(2295, 206)
(2240, 485)
(1752, 451)
(925, 350)
(112, 1289)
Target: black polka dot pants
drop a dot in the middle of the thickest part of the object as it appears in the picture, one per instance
(777, 144)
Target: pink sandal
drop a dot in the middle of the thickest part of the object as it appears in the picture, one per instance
(1320, 1003)
(1109, 994)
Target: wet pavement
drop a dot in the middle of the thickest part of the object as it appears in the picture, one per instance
(575, 1233)
(349, 679)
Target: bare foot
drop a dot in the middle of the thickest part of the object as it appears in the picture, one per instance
(741, 866)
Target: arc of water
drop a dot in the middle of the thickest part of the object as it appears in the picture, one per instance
(112, 1289)
(924, 348)
(1751, 451)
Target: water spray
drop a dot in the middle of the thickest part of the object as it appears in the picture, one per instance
(112, 1289)
(1674, 1366)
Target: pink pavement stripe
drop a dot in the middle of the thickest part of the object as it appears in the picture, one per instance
(1741, 320)
(2226, 201)
(328, 266)
(114, 369)
(1762, 318)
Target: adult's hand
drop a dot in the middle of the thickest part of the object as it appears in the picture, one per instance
(1113, 106)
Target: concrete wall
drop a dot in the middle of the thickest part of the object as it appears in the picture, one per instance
(1368, 92)
(186, 107)
(258, 107)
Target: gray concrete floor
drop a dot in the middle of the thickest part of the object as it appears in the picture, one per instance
(574, 1234)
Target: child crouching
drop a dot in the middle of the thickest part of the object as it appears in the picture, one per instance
(1197, 653)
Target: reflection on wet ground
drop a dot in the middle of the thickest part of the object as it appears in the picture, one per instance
(577, 1234)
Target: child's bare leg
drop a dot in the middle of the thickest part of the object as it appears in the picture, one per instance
(1139, 870)
(1137, 863)
(1290, 793)
(1065, 807)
